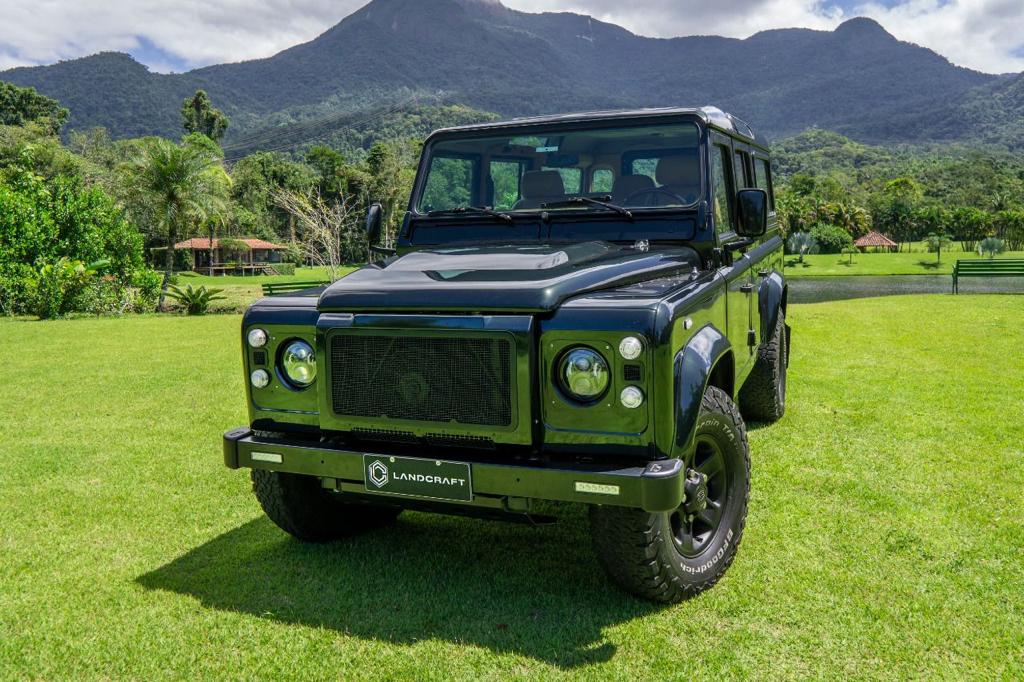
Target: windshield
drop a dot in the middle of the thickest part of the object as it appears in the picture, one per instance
(639, 166)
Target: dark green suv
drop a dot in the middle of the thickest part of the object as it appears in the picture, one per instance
(582, 309)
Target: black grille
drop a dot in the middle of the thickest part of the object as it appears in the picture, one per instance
(425, 378)
(632, 372)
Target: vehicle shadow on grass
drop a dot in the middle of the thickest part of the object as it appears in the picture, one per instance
(534, 591)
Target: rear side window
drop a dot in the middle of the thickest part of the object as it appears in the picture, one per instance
(762, 176)
(740, 167)
(721, 192)
(572, 178)
(602, 180)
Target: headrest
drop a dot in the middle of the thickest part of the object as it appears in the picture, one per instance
(538, 184)
(678, 171)
(628, 185)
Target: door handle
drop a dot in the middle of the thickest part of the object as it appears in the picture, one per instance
(747, 288)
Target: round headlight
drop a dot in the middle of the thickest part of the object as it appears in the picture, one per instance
(260, 378)
(298, 362)
(584, 374)
(631, 397)
(257, 338)
(631, 347)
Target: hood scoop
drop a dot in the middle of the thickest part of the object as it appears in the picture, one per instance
(499, 279)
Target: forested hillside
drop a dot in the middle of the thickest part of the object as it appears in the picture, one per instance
(857, 80)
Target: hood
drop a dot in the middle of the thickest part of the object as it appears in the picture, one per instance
(509, 278)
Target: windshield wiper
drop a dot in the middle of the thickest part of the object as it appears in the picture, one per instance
(472, 210)
(603, 202)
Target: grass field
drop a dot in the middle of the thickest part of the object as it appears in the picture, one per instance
(885, 537)
(913, 263)
(239, 292)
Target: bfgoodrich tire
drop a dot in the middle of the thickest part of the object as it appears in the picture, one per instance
(763, 396)
(671, 556)
(302, 508)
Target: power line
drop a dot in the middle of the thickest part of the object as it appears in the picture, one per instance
(299, 133)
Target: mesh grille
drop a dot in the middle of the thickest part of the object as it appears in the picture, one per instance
(427, 378)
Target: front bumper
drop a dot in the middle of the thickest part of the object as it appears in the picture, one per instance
(656, 487)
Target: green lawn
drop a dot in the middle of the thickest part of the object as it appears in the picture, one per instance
(885, 537)
(914, 263)
(239, 292)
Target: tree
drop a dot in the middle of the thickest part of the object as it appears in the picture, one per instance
(333, 232)
(20, 106)
(936, 242)
(180, 187)
(201, 117)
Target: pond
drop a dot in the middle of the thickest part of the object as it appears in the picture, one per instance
(819, 289)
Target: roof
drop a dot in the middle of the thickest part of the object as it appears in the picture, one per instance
(874, 239)
(204, 243)
(710, 115)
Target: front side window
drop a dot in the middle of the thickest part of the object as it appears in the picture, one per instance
(639, 166)
(763, 179)
(506, 181)
(449, 182)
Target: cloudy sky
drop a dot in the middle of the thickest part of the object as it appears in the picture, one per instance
(182, 34)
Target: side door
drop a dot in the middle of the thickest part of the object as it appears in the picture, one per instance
(766, 256)
(729, 173)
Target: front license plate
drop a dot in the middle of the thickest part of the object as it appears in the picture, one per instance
(427, 478)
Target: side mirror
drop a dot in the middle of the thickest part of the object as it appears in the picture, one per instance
(374, 221)
(752, 211)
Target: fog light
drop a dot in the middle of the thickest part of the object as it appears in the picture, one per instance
(631, 348)
(260, 378)
(257, 338)
(631, 397)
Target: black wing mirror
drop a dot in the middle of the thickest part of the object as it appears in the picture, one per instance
(752, 212)
(374, 221)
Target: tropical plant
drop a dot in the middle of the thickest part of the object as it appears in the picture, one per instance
(801, 243)
(936, 242)
(850, 252)
(195, 301)
(178, 188)
(991, 247)
(59, 286)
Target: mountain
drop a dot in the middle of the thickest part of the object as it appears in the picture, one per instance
(858, 79)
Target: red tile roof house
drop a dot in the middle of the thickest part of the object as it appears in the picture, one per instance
(875, 240)
(259, 256)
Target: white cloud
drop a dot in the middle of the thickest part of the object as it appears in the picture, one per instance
(981, 34)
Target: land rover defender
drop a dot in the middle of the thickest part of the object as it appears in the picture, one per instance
(578, 309)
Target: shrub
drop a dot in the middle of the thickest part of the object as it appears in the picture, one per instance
(831, 239)
(147, 285)
(196, 301)
(991, 247)
(285, 268)
(60, 288)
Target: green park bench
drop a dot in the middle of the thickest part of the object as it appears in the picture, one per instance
(986, 267)
(290, 287)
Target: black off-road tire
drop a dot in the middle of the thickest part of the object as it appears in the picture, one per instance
(763, 396)
(642, 552)
(305, 510)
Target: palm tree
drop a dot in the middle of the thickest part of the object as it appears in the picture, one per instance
(179, 187)
(936, 242)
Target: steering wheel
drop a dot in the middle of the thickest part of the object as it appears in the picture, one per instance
(656, 190)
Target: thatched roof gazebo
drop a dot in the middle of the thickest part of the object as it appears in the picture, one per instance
(875, 240)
